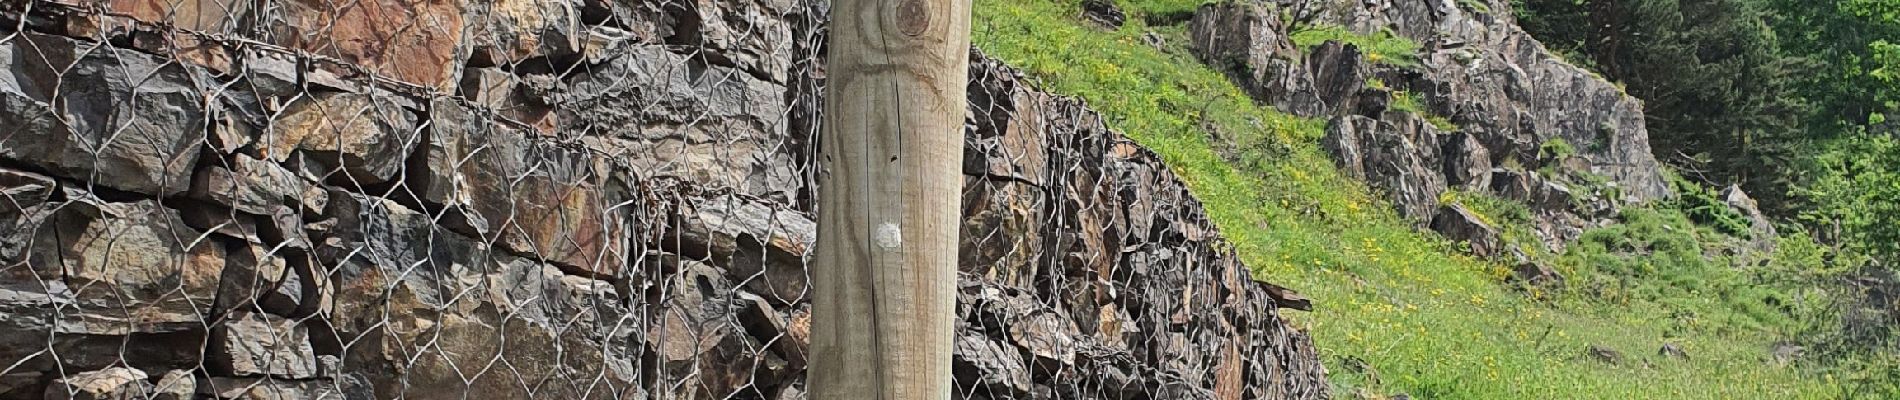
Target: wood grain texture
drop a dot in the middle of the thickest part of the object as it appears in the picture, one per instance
(889, 199)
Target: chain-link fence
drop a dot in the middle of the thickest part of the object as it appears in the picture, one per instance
(472, 199)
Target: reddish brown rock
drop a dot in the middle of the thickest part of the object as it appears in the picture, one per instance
(210, 16)
(415, 41)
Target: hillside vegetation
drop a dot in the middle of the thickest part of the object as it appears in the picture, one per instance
(1399, 311)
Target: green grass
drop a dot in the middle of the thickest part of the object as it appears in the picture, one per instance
(1398, 311)
(1408, 102)
(1382, 47)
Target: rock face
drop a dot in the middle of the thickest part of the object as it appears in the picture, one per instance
(446, 199)
(1513, 103)
(1400, 155)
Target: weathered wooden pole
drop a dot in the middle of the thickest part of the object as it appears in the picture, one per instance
(884, 295)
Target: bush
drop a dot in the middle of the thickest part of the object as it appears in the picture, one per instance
(1706, 207)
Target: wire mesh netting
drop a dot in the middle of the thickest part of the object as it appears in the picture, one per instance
(472, 199)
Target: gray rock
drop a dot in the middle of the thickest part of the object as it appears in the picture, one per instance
(539, 197)
(254, 344)
(695, 339)
(176, 384)
(1760, 227)
(1605, 355)
(221, 220)
(1488, 75)
(749, 35)
(1535, 191)
(1104, 12)
(1672, 350)
(258, 278)
(131, 267)
(1461, 224)
(1247, 41)
(989, 368)
(1339, 72)
(1401, 158)
(763, 247)
(257, 187)
(121, 119)
(21, 190)
(1534, 274)
(1467, 163)
(717, 127)
(225, 388)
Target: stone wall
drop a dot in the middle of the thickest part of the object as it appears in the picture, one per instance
(549, 199)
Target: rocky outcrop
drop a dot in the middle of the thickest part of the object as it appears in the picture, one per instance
(547, 199)
(1511, 102)
(1399, 154)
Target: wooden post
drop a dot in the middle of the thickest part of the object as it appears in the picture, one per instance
(884, 294)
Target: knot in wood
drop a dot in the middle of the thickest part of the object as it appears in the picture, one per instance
(912, 17)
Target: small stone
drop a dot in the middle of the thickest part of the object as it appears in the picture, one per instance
(268, 389)
(20, 190)
(1672, 350)
(999, 368)
(1286, 298)
(1605, 355)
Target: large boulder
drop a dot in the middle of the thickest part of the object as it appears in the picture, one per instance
(1461, 224)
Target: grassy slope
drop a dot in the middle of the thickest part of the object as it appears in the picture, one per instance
(1399, 311)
